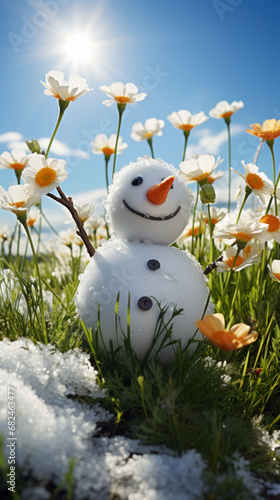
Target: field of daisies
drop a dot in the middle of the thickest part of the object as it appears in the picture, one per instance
(80, 422)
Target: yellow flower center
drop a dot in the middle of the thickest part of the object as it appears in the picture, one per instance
(247, 250)
(17, 166)
(148, 135)
(243, 236)
(200, 177)
(17, 204)
(238, 262)
(31, 222)
(277, 276)
(195, 232)
(122, 98)
(255, 181)
(45, 176)
(186, 126)
(210, 180)
(227, 115)
(107, 151)
(272, 221)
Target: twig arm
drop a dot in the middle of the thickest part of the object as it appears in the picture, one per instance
(68, 203)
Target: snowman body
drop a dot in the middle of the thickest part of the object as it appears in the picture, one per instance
(136, 273)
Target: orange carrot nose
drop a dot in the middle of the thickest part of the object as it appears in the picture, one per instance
(158, 193)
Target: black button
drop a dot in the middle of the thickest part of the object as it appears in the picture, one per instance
(145, 303)
(153, 264)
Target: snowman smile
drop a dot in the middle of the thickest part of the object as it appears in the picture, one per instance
(151, 217)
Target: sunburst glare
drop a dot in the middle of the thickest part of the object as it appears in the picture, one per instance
(79, 49)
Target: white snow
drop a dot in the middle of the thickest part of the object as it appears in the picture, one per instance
(51, 428)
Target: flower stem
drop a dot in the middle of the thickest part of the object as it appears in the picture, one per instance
(193, 221)
(248, 191)
(227, 120)
(231, 271)
(121, 108)
(211, 234)
(63, 105)
(107, 158)
(211, 240)
(150, 142)
(186, 134)
(270, 145)
(22, 219)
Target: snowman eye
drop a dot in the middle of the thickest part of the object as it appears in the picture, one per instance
(137, 181)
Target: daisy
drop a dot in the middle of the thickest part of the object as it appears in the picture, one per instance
(230, 261)
(84, 211)
(274, 270)
(151, 127)
(16, 199)
(199, 168)
(242, 232)
(16, 159)
(273, 229)
(122, 93)
(261, 186)
(57, 87)
(185, 121)
(4, 234)
(43, 175)
(213, 327)
(32, 216)
(269, 130)
(107, 146)
(224, 110)
(216, 214)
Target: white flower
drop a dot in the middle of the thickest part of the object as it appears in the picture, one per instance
(107, 146)
(216, 214)
(16, 159)
(43, 175)
(151, 127)
(122, 93)
(224, 110)
(241, 232)
(257, 181)
(57, 87)
(184, 120)
(93, 224)
(274, 270)
(5, 234)
(16, 199)
(199, 167)
(246, 257)
(84, 211)
(67, 237)
(32, 216)
(273, 230)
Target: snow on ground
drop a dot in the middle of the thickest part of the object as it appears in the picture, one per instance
(52, 427)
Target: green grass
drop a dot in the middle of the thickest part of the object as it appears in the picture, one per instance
(189, 405)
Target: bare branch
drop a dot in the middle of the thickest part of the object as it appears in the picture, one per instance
(68, 203)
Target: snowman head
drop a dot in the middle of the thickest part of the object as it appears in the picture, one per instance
(148, 200)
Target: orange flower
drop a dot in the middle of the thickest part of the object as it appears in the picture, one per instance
(269, 130)
(213, 327)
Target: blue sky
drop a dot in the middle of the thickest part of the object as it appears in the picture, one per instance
(183, 54)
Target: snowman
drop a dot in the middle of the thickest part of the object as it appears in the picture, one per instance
(135, 273)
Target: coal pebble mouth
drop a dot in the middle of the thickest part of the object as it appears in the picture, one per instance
(151, 217)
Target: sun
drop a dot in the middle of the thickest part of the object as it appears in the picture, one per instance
(78, 49)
